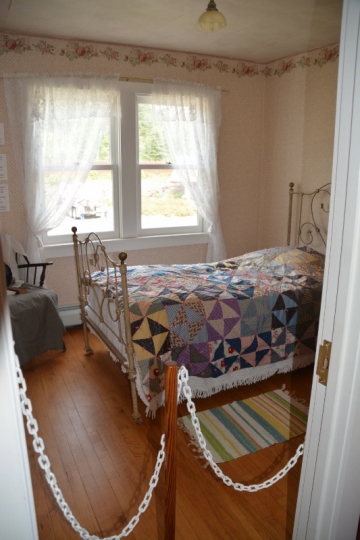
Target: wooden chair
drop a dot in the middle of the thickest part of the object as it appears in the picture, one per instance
(35, 320)
(36, 266)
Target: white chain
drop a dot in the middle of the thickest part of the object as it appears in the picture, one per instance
(184, 377)
(182, 386)
(44, 463)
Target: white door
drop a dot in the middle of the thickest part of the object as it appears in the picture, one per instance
(329, 494)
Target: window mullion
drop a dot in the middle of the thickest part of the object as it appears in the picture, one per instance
(128, 145)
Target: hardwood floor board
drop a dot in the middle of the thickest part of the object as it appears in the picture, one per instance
(184, 528)
(201, 521)
(275, 530)
(82, 510)
(129, 441)
(104, 457)
(80, 460)
(95, 464)
(65, 452)
(104, 461)
(238, 470)
(246, 531)
(120, 422)
(121, 455)
(292, 482)
(276, 508)
(251, 469)
(214, 497)
(199, 512)
(56, 464)
(133, 480)
(62, 480)
(40, 497)
(130, 502)
(252, 505)
(123, 461)
(288, 505)
(61, 527)
(44, 525)
(51, 443)
(221, 497)
(113, 508)
(65, 406)
(104, 517)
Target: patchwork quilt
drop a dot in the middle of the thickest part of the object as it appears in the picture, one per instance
(257, 309)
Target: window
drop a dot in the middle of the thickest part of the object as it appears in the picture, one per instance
(165, 204)
(93, 208)
(133, 191)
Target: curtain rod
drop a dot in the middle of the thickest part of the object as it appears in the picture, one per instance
(133, 79)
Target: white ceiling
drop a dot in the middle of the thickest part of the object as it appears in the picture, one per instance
(257, 30)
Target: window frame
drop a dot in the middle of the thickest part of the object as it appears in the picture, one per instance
(127, 234)
(199, 227)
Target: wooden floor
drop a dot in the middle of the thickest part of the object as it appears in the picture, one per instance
(103, 461)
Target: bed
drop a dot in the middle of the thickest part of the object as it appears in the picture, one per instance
(230, 323)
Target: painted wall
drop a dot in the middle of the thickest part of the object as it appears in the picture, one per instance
(272, 122)
(299, 123)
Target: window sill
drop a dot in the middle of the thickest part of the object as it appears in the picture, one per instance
(131, 244)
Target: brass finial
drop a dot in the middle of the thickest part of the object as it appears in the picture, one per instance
(122, 257)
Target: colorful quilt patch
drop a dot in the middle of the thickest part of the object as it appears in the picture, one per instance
(257, 309)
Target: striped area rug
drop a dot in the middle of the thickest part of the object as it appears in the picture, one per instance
(246, 426)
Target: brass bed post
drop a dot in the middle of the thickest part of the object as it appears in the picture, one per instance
(87, 347)
(129, 347)
(291, 193)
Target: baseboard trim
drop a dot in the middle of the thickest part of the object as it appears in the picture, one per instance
(70, 316)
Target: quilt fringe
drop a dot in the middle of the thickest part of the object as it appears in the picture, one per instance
(234, 379)
(200, 387)
(193, 442)
(294, 396)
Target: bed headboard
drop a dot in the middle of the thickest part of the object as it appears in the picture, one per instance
(311, 216)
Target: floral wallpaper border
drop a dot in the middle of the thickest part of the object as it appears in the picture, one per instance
(74, 50)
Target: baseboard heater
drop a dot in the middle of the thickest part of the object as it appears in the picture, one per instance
(70, 316)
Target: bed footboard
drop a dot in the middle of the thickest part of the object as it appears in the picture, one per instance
(110, 296)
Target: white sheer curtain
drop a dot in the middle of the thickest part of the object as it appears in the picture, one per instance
(57, 123)
(191, 116)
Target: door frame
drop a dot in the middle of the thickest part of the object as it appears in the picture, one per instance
(17, 508)
(328, 503)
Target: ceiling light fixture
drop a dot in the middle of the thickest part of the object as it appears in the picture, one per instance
(211, 19)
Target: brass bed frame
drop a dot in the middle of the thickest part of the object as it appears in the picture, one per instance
(91, 255)
(307, 229)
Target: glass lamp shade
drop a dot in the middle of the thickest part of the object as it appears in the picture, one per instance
(211, 19)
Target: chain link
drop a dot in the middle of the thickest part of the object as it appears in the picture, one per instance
(184, 377)
(44, 462)
(182, 387)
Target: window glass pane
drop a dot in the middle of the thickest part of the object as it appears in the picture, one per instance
(93, 209)
(164, 201)
(153, 147)
(104, 154)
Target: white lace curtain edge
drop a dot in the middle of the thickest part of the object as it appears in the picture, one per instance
(176, 94)
(18, 118)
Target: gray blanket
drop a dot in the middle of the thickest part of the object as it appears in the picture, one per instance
(36, 324)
